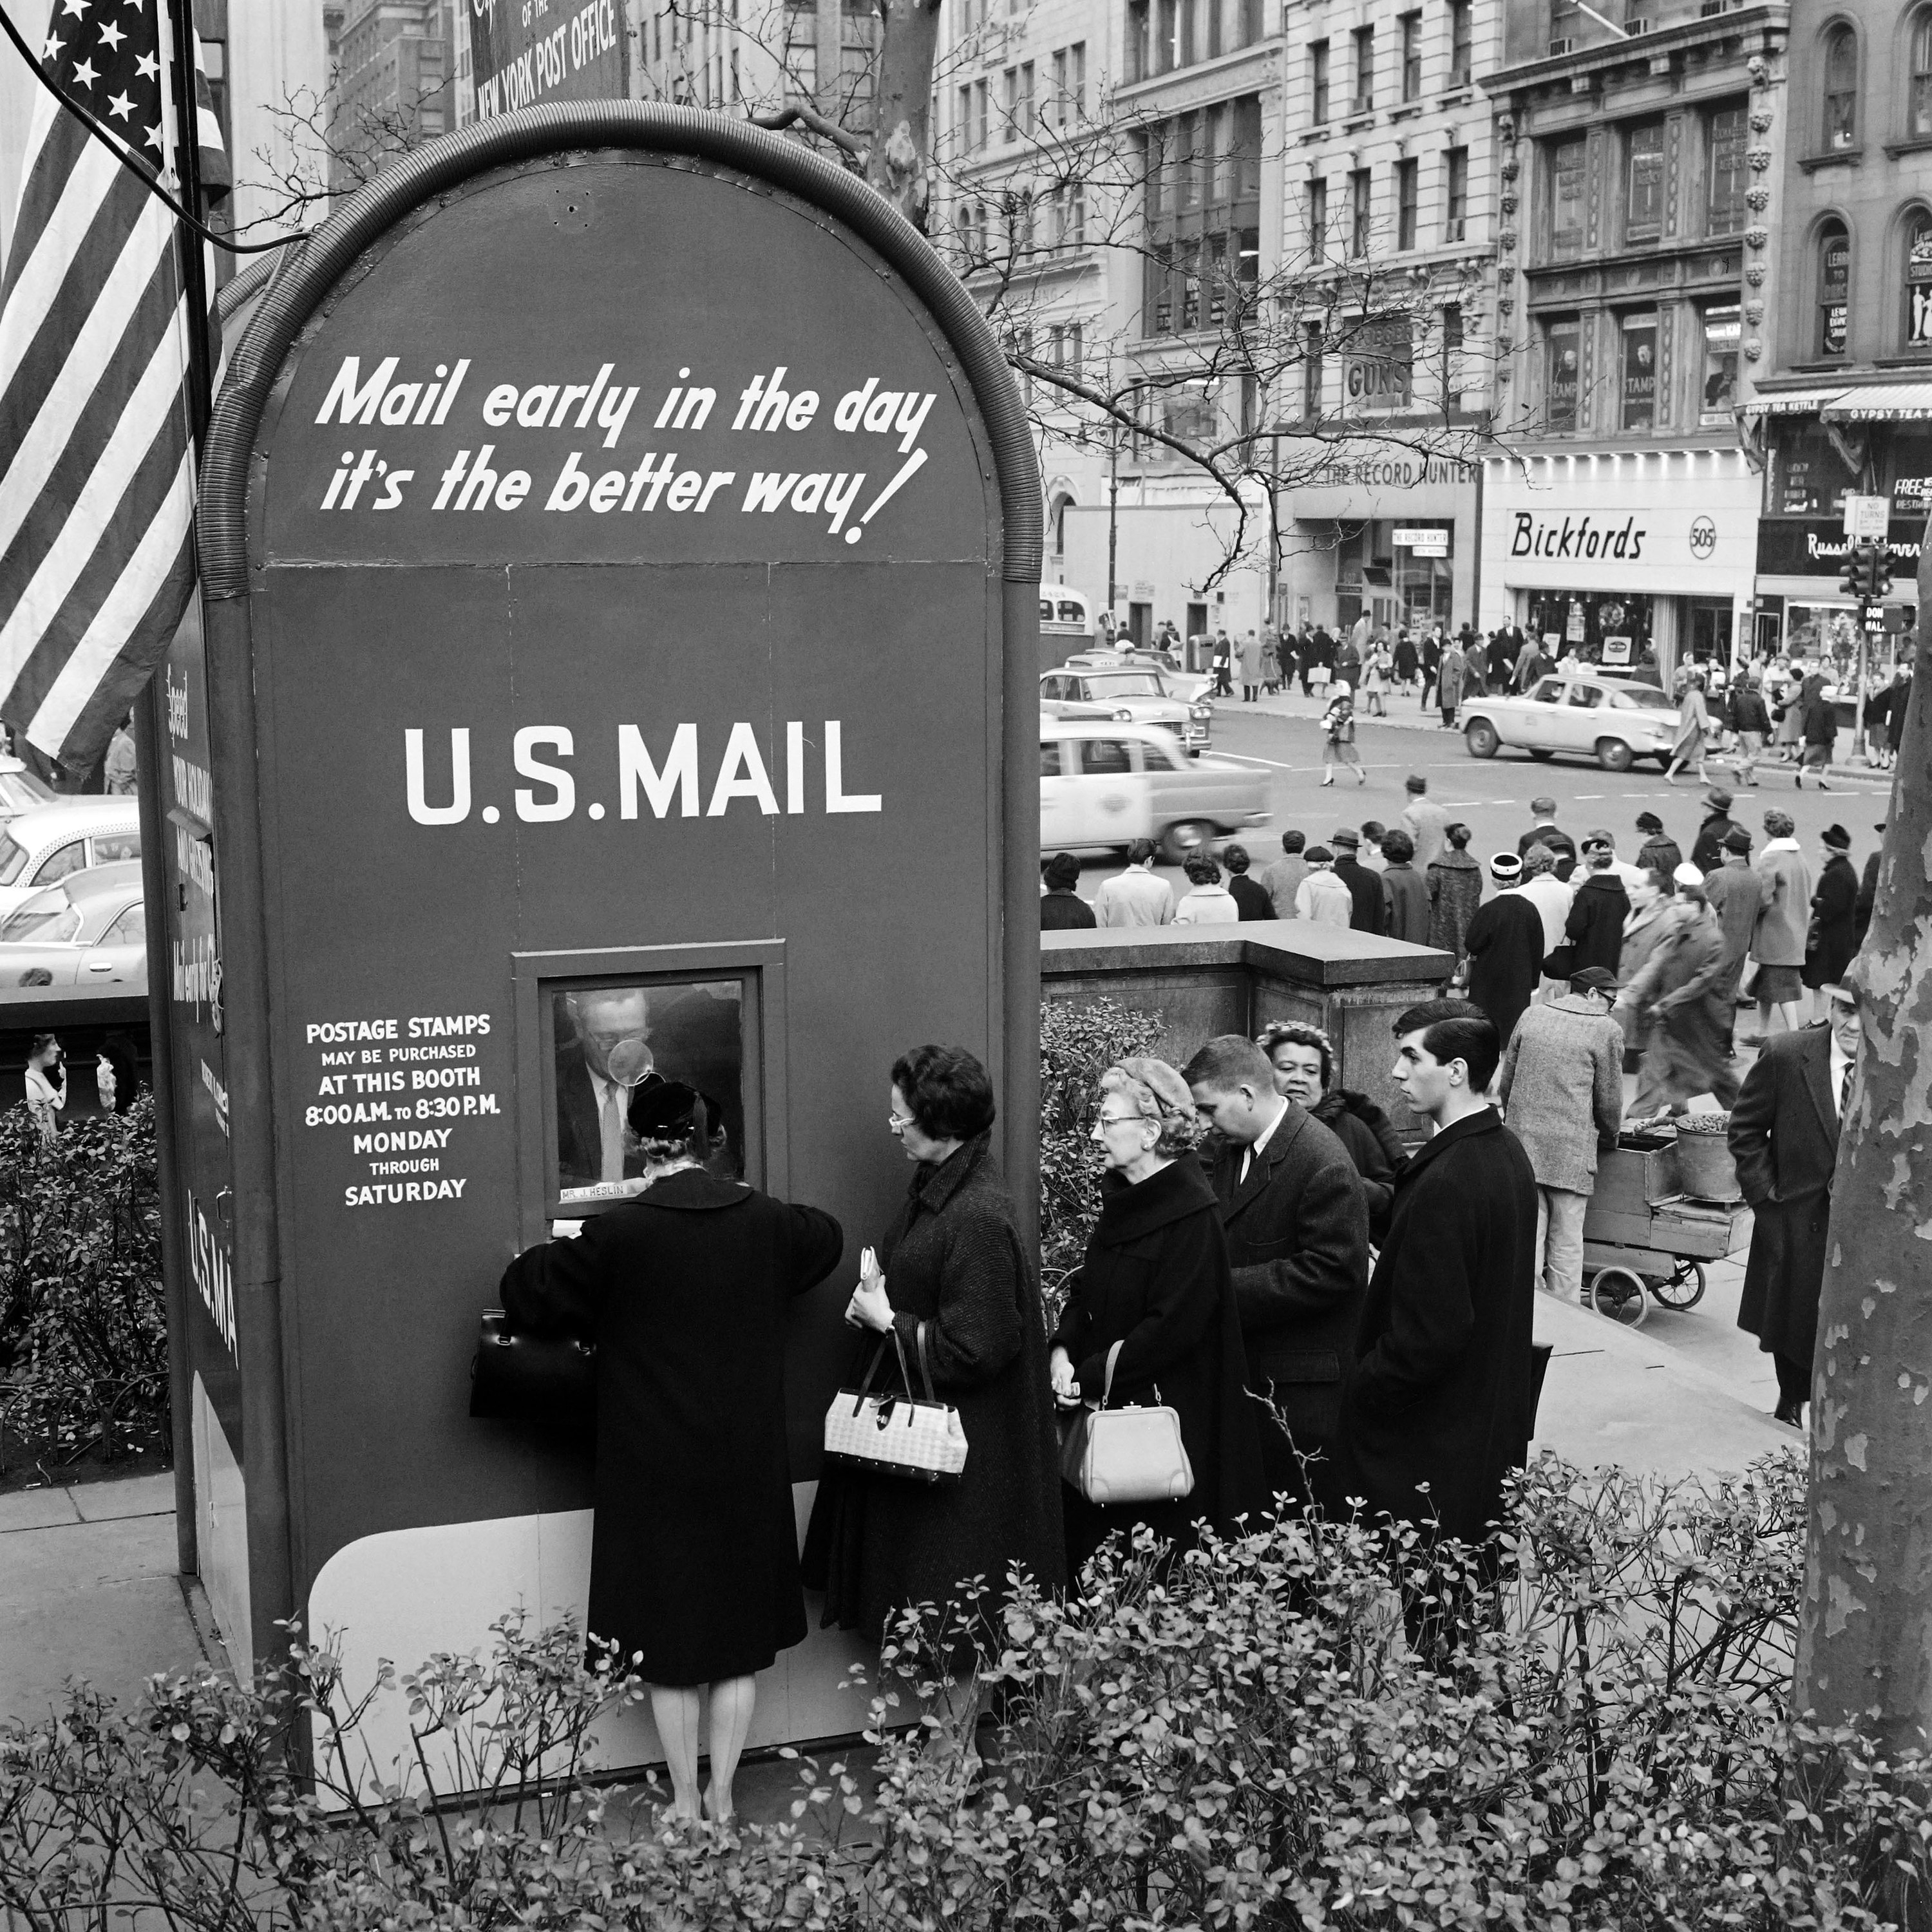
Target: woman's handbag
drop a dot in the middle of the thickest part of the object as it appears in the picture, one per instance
(1130, 1455)
(893, 1434)
(547, 1378)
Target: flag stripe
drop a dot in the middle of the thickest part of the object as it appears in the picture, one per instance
(58, 449)
(42, 273)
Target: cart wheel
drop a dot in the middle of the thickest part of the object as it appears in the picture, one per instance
(1617, 1293)
(1683, 1289)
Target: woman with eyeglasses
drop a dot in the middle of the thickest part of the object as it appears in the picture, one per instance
(1155, 1280)
(954, 1283)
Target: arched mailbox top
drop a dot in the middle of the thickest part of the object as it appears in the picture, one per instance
(318, 267)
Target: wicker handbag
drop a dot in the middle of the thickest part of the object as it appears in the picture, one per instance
(1130, 1455)
(897, 1434)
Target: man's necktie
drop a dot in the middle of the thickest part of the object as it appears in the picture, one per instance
(610, 1125)
(1845, 1088)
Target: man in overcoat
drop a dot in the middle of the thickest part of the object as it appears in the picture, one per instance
(1784, 1138)
(1440, 1396)
(1297, 1226)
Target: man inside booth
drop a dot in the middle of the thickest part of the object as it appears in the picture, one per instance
(608, 1036)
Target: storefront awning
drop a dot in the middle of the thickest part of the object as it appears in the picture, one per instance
(1883, 402)
(1791, 402)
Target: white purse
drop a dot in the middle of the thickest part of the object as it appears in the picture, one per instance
(1130, 1455)
(896, 1434)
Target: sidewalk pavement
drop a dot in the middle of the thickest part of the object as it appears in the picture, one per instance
(89, 1587)
(1405, 716)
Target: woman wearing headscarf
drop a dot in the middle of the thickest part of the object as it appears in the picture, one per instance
(1150, 1316)
(694, 1546)
(956, 1284)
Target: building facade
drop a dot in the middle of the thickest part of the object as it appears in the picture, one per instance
(1848, 408)
(391, 89)
(1638, 278)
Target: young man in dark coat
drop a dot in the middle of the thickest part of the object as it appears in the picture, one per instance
(1441, 1394)
(1831, 942)
(1061, 908)
(1707, 849)
(1297, 1231)
(1247, 893)
(1593, 932)
(1784, 1138)
(1365, 887)
(1504, 945)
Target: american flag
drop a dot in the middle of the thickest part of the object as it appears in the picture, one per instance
(97, 479)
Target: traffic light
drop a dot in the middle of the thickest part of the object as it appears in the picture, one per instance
(1878, 573)
(1851, 578)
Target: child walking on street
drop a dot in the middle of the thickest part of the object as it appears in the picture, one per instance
(1338, 738)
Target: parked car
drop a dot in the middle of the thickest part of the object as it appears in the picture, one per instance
(1127, 697)
(39, 846)
(1103, 784)
(1609, 718)
(1193, 687)
(20, 790)
(87, 931)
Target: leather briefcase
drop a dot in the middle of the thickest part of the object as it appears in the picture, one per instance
(551, 1379)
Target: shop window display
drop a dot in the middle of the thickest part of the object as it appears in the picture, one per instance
(1723, 330)
(1835, 282)
(1563, 349)
(1638, 357)
(1918, 282)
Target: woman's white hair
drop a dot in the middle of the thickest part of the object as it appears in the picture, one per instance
(1157, 1091)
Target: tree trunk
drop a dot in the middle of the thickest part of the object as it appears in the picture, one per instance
(900, 165)
(1865, 1654)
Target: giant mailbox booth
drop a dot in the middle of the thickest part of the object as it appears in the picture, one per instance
(619, 542)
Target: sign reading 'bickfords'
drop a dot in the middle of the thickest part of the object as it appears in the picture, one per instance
(1573, 537)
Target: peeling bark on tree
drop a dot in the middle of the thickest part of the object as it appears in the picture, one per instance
(1865, 1655)
(900, 164)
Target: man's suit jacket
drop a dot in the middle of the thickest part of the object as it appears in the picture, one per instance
(1297, 1235)
(1784, 1138)
(1441, 1394)
(580, 1140)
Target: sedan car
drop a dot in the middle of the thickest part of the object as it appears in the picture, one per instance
(87, 931)
(1127, 697)
(1193, 687)
(1103, 785)
(44, 845)
(1616, 722)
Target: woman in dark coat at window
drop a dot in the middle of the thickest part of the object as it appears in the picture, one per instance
(694, 1552)
(1155, 1279)
(954, 1268)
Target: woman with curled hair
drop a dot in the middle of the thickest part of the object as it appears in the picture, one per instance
(1155, 1281)
(1303, 1060)
(956, 1284)
(694, 1552)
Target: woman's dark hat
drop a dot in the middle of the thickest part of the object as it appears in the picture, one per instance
(662, 1109)
(1838, 838)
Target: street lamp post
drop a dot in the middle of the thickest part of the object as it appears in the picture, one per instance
(1113, 514)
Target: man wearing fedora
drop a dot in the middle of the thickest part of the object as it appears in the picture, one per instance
(1831, 940)
(1707, 849)
(1365, 887)
(1784, 1138)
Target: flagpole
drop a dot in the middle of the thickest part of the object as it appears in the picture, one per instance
(152, 748)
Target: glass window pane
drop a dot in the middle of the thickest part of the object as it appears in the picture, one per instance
(127, 930)
(1722, 331)
(1918, 282)
(109, 848)
(1561, 383)
(1841, 89)
(1105, 757)
(1566, 197)
(1639, 370)
(47, 916)
(1643, 206)
(66, 859)
(1049, 761)
(1730, 137)
(1835, 275)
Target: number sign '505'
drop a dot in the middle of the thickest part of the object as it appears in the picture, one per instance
(812, 767)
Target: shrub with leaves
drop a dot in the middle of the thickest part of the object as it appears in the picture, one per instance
(1077, 1045)
(1241, 1738)
(83, 1323)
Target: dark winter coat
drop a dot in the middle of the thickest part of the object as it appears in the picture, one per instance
(1821, 721)
(1748, 712)
(1901, 704)
(686, 1291)
(1660, 852)
(1784, 1138)
(1155, 1279)
(1297, 1235)
(1593, 934)
(1365, 889)
(1707, 849)
(1369, 1139)
(1558, 840)
(1251, 895)
(1065, 912)
(1832, 942)
(1441, 1393)
(1866, 899)
(1405, 660)
(1505, 947)
(1405, 905)
(954, 1262)
(1455, 891)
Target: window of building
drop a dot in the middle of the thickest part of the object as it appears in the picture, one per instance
(1461, 23)
(1637, 360)
(1358, 214)
(1365, 70)
(1919, 101)
(1834, 283)
(1452, 356)
(1378, 368)
(1455, 194)
(1070, 86)
(1412, 56)
(1313, 373)
(1563, 362)
(1729, 172)
(1244, 147)
(1139, 49)
(1317, 82)
(1023, 115)
(1203, 188)
(1407, 197)
(1317, 221)
(1643, 182)
(1070, 218)
(1065, 346)
(1723, 330)
(1918, 282)
(1567, 163)
(1841, 88)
